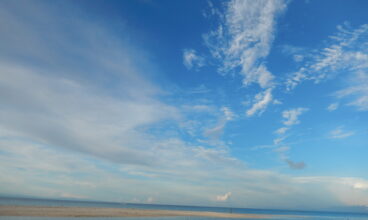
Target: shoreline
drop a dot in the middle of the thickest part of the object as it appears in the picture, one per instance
(52, 211)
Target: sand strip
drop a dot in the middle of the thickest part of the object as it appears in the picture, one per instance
(46, 211)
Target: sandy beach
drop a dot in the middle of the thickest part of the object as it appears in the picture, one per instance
(46, 211)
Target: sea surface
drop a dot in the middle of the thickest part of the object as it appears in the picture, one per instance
(287, 214)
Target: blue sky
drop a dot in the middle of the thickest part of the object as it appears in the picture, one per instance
(232, 103)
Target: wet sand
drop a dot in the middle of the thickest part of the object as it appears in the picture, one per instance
(45, 211)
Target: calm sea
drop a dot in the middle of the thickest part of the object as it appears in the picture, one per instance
(305, 215)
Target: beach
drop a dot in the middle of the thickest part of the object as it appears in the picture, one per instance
(48, 211)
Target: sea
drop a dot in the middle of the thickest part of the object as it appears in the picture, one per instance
(286, 214)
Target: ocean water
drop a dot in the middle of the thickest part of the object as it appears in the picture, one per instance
(287, 214)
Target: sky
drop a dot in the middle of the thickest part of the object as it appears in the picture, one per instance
(241, 103)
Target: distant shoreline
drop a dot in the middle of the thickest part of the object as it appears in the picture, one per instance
(52, 211)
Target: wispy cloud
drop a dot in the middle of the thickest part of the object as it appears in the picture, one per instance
(244, 37)
(346, 52)
(340, 133)
(281, 130)
(357, 90)
(192, 60)
(223, 198)
(291, 116)
(332, 107)
(260, 103)
(216, 131)
(297, 53)
(63, 112)
(108, 114)
(243, 40)
(278, 140)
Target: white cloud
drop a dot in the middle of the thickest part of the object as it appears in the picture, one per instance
(150, 199)
(276, 102)
(191, 59)
(242, 42)
(357, 90)
(282, 130)
(278, 140)
(291, 116)
(346, 52)
(229, 115)
(223, 198)
(339, 133)
(244, 37)
(333, 107)
(296, 78)
(260, 103)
